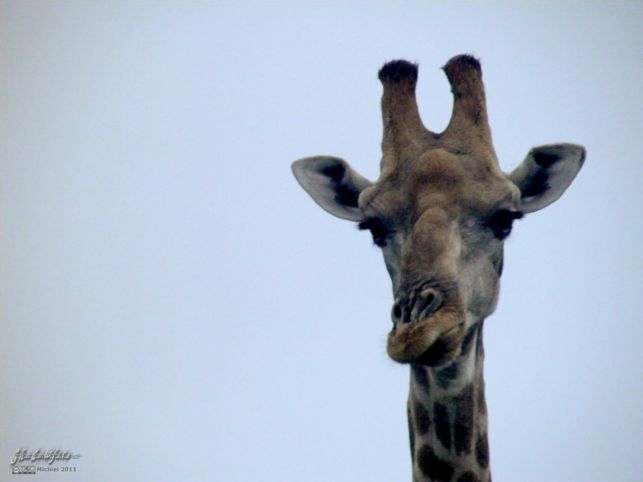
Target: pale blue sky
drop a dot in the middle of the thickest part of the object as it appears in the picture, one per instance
(174, 307)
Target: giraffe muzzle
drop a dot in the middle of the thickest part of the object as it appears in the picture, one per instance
(425, 322)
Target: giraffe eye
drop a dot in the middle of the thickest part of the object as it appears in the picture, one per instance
(501, 222)
(378, 230)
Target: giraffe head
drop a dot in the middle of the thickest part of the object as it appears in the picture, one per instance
(440, 210)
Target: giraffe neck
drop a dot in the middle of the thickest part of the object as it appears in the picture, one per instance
(448, 418)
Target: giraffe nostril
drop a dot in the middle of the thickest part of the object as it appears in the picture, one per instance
(429, 297)
(429, 301)
(396, 312)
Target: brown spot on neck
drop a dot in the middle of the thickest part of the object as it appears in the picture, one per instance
(421, 418)
(482, 451)
(464, 422)
(442, 424)
(433, 466)
(468, 476)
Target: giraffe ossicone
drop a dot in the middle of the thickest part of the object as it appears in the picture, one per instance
(440, 211)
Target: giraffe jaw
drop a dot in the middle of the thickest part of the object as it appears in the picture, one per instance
(433, 340)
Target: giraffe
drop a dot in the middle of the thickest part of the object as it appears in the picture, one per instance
(440, 212)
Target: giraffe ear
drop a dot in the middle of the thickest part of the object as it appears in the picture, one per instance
(546, 173)
(332, 184)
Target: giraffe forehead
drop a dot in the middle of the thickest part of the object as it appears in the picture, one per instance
(437, 182)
